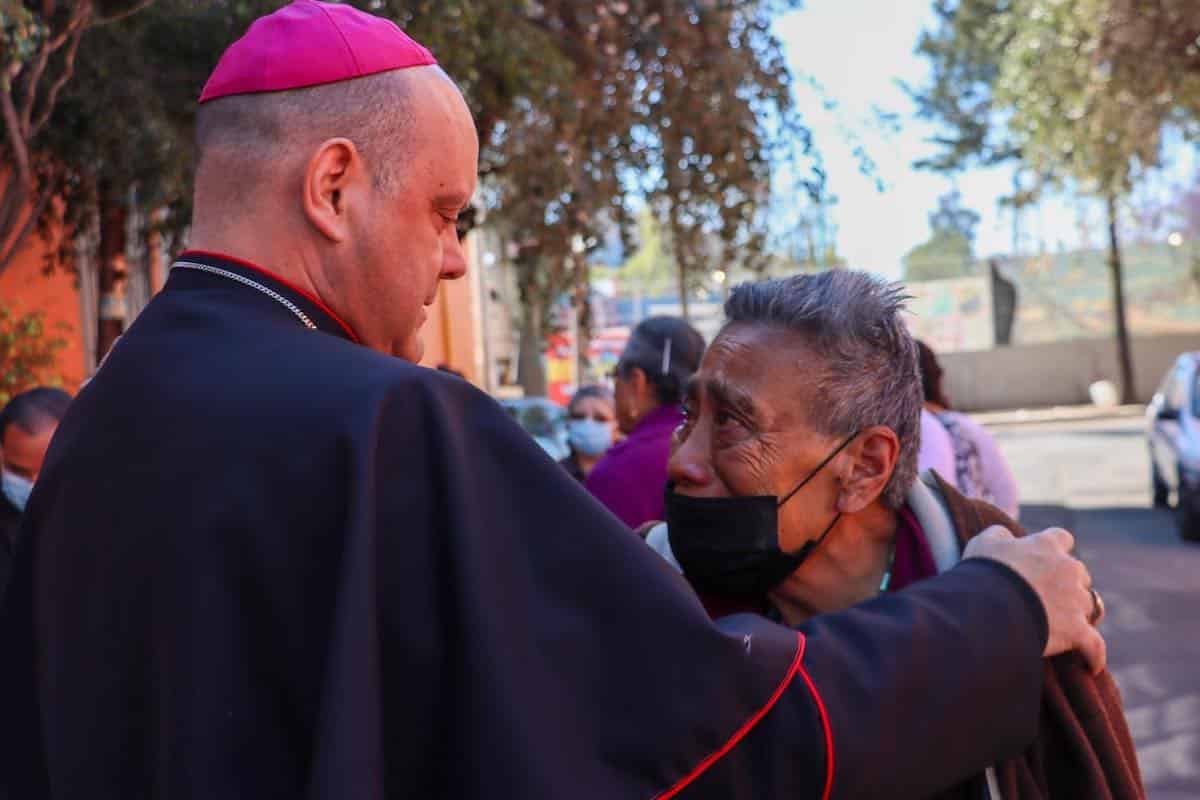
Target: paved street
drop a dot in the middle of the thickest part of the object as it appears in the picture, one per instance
(1092, 477)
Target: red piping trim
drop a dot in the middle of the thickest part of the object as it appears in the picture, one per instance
(741, 733)
(828, 733)
(310, 297)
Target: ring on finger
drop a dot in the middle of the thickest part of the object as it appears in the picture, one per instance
(1097, 607)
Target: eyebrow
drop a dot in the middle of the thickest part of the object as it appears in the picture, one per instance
(726, 394)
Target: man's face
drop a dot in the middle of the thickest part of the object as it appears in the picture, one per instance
(407, 242)
(747, 430)
(23, 452)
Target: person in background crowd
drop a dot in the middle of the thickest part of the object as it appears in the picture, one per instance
(660, 357)
(27, 424)
(591, 424)
(980, 470)
(937, 449)
(811, 395)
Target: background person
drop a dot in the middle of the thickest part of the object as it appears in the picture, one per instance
(810, 394)
(660, 357)
(980, 468)
(27, 423)
(591, 426)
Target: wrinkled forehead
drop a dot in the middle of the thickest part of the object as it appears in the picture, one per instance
(771, 367)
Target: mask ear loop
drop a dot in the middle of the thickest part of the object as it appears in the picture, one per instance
(819, 467)
(811, 544)
(805, 549)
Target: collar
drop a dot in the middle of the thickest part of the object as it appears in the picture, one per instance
(325, 318)
(930, 510)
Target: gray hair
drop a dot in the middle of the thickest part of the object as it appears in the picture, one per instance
(868, 360)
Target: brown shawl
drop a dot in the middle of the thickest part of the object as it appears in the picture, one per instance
(1083, 750)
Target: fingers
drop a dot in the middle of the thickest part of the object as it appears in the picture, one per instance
(996, 533)
(1094, 649)
(1061, 538)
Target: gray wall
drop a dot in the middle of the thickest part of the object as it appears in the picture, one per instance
(1055, 374)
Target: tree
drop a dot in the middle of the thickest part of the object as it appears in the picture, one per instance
(950, 251)
(1046, 90)
(39, 40)
(947, 254)
(583, 111)
(27, 353)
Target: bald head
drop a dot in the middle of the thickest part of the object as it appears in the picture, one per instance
(349, 189)
(247, 138)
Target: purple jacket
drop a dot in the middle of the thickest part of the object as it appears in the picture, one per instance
(631, 478)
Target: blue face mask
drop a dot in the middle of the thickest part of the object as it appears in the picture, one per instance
(589, 437)
(16, 489)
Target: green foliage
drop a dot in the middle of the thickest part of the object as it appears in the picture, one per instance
(21, 33)
(651, 268)
(950, 251)
(947, 254)
(1065, 86)
(28, 353)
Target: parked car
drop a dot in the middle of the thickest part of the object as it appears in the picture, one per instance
(1173, 431)
(542, 419)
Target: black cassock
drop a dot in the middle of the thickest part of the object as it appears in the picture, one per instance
(265, 562)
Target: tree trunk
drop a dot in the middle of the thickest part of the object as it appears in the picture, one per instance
(531, 369)
(1124, 356)
(583, 318)
(112, 272)
(680, 268)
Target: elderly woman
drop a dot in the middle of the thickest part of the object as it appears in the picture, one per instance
(795, 492)
(659, 359)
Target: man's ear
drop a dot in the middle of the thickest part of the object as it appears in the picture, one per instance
(869, 463)
(334, 178)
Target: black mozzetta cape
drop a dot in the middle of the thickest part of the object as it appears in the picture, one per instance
(263, 561)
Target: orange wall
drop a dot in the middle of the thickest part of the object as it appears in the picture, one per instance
(24, 287)
(449, 333)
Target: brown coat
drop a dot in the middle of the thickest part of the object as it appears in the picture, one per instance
(1083, 750)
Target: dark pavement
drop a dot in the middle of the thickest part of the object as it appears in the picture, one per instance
(1093, 478)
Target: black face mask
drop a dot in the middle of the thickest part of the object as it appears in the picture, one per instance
(730, 545)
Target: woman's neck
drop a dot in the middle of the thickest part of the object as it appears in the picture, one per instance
(586, 463)
(845, 570)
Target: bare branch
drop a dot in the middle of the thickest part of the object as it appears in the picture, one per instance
(31, 84)
(136, 7)
(52, 96)
(14, 245)
(20, 146)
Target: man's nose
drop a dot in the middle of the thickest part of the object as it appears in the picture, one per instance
(689, 467)
(454, 261)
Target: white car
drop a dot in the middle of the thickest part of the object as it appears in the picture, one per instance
(1173, 432)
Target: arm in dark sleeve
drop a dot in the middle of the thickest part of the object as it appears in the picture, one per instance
(927, 687)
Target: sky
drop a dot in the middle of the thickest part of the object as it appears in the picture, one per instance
(859, 51)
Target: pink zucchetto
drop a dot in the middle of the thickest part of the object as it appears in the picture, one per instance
(308, 43)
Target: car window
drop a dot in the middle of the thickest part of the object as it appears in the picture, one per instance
(1173, 391)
